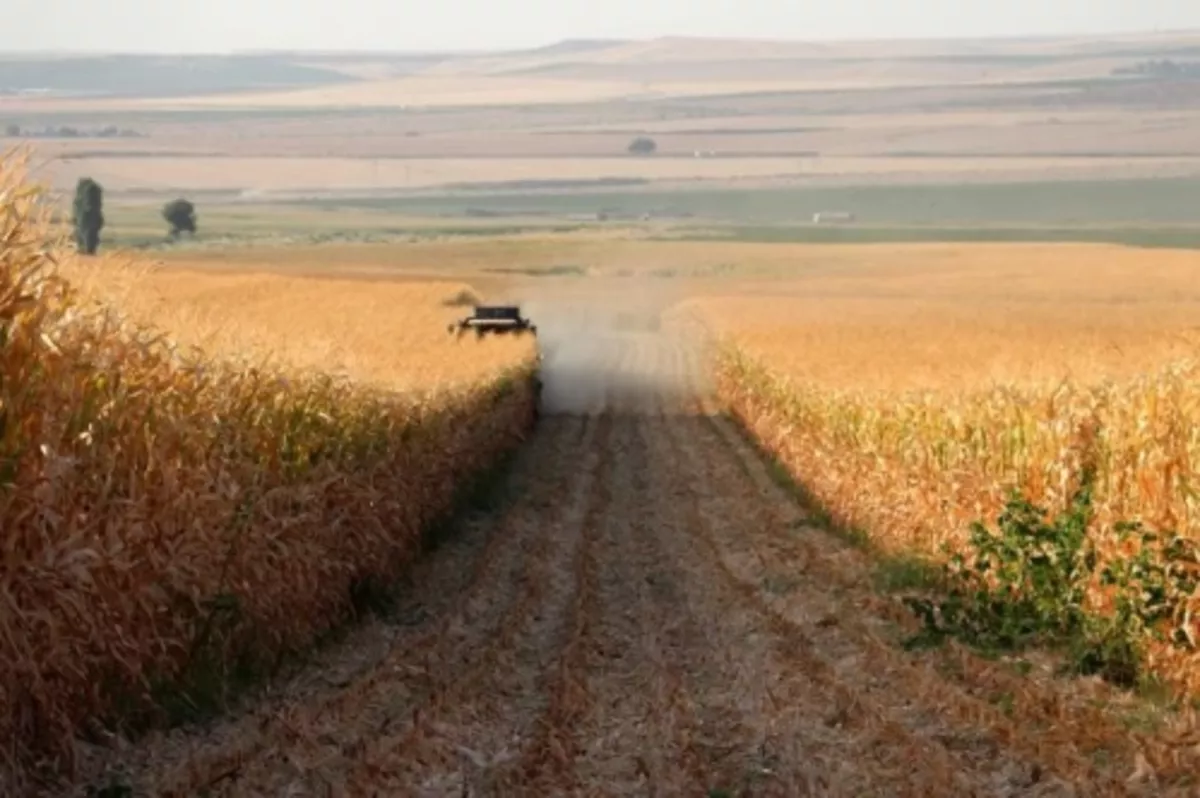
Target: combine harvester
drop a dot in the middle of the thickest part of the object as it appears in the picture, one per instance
(495, 319)
(500, 320)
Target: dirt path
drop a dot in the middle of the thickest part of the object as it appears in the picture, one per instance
(646, 614)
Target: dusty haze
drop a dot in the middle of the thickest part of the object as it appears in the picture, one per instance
(585, 332)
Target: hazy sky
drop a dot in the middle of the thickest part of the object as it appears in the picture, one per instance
(222, 25)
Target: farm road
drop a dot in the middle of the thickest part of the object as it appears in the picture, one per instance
(647, 613)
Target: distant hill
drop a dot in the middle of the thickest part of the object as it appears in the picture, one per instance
(160, 75)
(575, 70)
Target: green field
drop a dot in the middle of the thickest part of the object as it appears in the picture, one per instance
(1152, 213)
(1060, 203)
(225, 225)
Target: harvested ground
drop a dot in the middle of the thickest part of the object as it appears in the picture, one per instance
(645, 612)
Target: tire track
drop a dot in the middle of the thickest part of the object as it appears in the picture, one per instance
(630, 735)
(550, 756)
(703, 714)
(548, 764)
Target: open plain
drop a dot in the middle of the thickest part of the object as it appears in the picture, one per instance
(688, 557)
(850, 113)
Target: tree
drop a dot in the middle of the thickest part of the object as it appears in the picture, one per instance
(181, 215)
(12, 131)
(88, 216)
(642, 146)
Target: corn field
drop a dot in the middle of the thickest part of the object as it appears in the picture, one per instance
(171, 521)
(913, 470)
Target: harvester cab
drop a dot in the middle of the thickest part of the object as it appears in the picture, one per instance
(495, 319)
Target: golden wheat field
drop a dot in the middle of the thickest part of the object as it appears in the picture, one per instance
(938, 316)
(171, 515)
(391, 335)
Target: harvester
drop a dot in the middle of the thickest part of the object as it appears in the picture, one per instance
(496, 319)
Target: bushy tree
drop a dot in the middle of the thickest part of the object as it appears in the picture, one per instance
(88, 215)
(181, 216)
(12, 130)
(642, 146)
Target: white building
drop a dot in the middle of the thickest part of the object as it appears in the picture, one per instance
(832, 216)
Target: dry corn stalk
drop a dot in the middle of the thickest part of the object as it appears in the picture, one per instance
(168, 518)
(914, 469)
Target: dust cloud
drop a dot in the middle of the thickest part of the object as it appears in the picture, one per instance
(604, 345)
